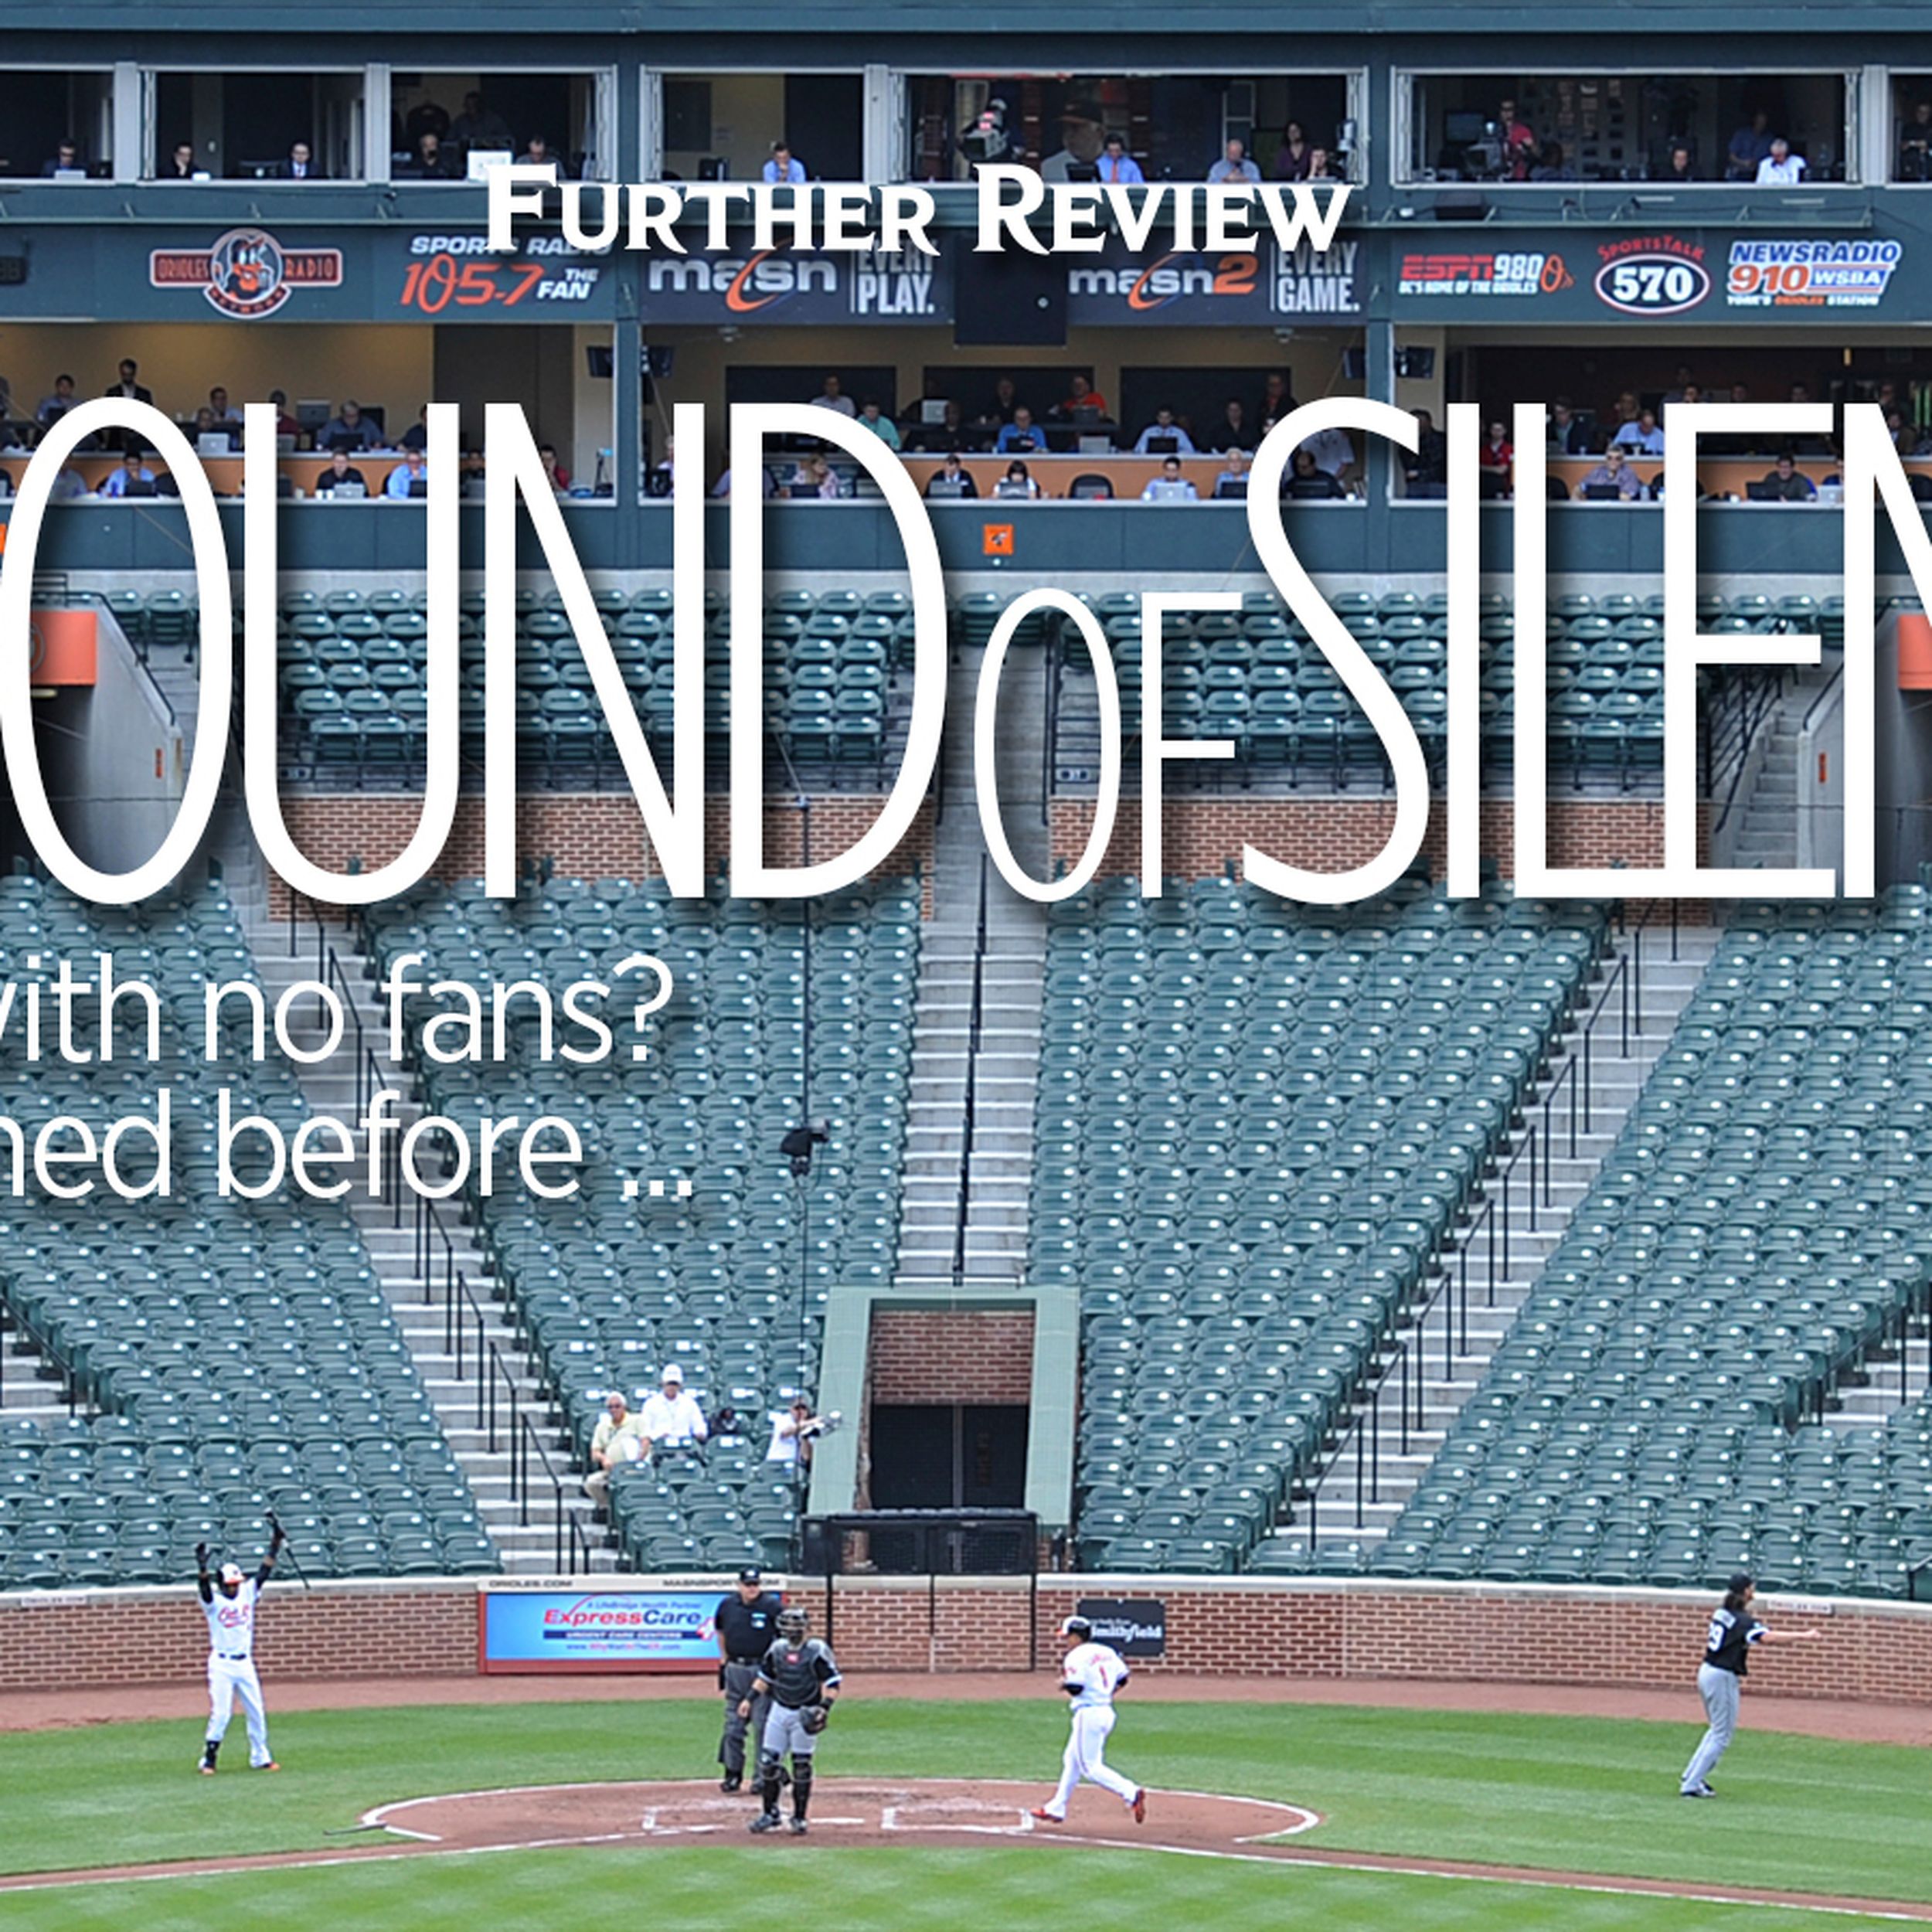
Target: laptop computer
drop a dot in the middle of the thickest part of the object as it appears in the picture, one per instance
(1763, 492)
(212, 443)
(285, 444)
(1166, 490)
(933, 410)
(947, 486)
(1230, 487)
(1022, 490)
(140, 486)
(1601, 493)
(348, 492)
(1163, 446)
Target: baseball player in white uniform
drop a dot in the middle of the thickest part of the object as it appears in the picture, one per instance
(1090, 1673)
(228, 1601)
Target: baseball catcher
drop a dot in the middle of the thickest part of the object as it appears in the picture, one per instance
(801, 1677)
(228, 1601)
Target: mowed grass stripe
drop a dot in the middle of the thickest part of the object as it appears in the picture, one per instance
(1575, 1794)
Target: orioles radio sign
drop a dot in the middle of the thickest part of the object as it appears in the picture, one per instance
(247, 274)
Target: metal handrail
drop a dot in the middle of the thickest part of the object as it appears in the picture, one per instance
(571, 1542)
(975, 1017)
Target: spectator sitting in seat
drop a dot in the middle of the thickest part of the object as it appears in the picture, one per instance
(218, 406)
(1613, 472)
(1321, 165)
(68, 485)
(1781, 168)
(340, 475)
(1915, 144)
(1170, 486)
(1234, 164)
(300, 165)
(1497, 453)
(1551, 166)
(537, 153)
(180, 162)
(615, 1442)
(815, 478)
(1164, 427)
(1292, 157)
(784, 166)
(1750, 145)
(1567, 435)
(1680, 169)
(953, 472)
(429, 162)
(1116, 165)
(1427, 473)
(1020, 437)
(1233, 432)
(1083, 137)
(1233, 480)
(55, 406)
(128, 386)
(560, 477)
(671, 1418)
(396, 485)
(427, 117)
(1642, 437)
(1083, 398)
(352, 429)
(1787, 482)
(1005, 400)
(1307, 478)
(833, 396)
(1017, 481)
(1331, 450)
(882, 426)
(285, 424)
(132, 471)
(416, 437)
(479, 126)
(64, 160)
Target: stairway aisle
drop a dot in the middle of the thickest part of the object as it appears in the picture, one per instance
(951, 1187)
(1389, 1473)
(528, 1549)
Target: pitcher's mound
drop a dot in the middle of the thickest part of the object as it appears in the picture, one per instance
(844, 1812)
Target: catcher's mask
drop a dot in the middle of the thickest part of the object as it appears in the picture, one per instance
(792, 1625)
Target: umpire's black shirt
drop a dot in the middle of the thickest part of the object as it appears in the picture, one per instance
(747, 1628)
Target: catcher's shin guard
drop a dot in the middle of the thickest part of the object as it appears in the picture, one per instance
(800, 1786)
(768, 1781)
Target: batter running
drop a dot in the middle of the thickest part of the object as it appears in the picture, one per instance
(229, 1604)
(1090, 1673)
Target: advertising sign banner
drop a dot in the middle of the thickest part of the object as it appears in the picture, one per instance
(625, 1629)
(1134, 1626)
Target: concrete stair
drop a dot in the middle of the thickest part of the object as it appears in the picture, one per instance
(525, 1528)
(1768, 836)
(1491, 1270)
(951, 1187)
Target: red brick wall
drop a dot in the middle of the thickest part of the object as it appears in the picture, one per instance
(50, 1638)
(1202, 838)
(1493, 1634)
(584, 834)
(936, 1355)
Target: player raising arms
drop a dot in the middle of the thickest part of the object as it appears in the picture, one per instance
(228, 1602)
(1090, 1673)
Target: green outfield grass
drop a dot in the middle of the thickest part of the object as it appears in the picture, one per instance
(1576, 1795)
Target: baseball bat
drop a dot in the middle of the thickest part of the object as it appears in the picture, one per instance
(275, 1529)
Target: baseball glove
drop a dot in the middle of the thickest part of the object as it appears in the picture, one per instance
(815, 1717)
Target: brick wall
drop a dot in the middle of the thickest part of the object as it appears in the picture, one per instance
(934, 1354)
(49, 1638)
(584, 834)
(1628, 1639)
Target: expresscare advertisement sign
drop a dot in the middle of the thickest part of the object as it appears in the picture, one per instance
(531, 1631)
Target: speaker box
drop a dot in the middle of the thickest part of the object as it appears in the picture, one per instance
(1012, 299)
(1463, 206)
